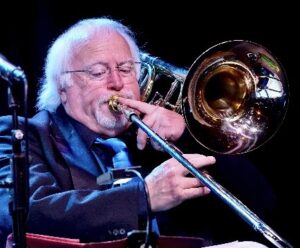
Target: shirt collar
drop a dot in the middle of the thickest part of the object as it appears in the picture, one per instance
(87, 135)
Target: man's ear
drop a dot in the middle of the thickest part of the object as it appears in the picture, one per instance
(63, 96)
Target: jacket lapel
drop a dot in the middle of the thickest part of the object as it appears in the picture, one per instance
(79, 158)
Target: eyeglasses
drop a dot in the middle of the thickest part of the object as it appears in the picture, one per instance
(100, 71)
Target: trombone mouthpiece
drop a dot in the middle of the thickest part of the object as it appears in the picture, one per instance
(114, 105)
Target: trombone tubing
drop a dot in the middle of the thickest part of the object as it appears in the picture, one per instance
(242, 210)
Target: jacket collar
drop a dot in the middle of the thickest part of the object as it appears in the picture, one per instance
(83, 166)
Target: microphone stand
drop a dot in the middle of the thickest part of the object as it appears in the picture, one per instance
(19, 204)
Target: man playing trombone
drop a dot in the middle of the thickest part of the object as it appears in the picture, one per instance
(70, 146)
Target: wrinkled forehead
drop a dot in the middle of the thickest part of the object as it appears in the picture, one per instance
(105, 45)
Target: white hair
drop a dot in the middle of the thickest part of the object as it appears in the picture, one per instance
(60, 54)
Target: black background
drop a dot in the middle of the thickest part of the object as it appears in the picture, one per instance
(178, 33)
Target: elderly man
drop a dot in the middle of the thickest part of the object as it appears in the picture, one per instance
(92, 61)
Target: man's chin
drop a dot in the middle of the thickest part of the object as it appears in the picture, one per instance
(112, 122)
(118, 125)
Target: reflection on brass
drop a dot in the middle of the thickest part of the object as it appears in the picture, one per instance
(113, 104)
(233, 97)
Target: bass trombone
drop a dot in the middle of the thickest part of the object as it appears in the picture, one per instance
(233, 99)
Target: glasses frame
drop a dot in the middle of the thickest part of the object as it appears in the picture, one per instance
(108, 69)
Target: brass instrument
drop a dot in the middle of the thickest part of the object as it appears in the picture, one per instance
(233, 98)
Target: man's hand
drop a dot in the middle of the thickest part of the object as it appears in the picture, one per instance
(166, 123)
(168, 185)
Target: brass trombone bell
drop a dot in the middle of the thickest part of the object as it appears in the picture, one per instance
(234, 97)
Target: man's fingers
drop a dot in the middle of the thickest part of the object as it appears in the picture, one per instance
(142, 107)
(197, 160)
(141, 139)
(195, 192)
(191, 182)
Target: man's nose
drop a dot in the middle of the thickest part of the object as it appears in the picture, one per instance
(114, 79)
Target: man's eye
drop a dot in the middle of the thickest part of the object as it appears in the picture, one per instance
(125, 70)
(97, 73)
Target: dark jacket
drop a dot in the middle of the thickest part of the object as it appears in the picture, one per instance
(66, 201)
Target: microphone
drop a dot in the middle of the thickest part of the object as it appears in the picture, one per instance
(117, 176)
(10, 72)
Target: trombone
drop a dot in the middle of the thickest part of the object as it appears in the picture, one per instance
(226, 98)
